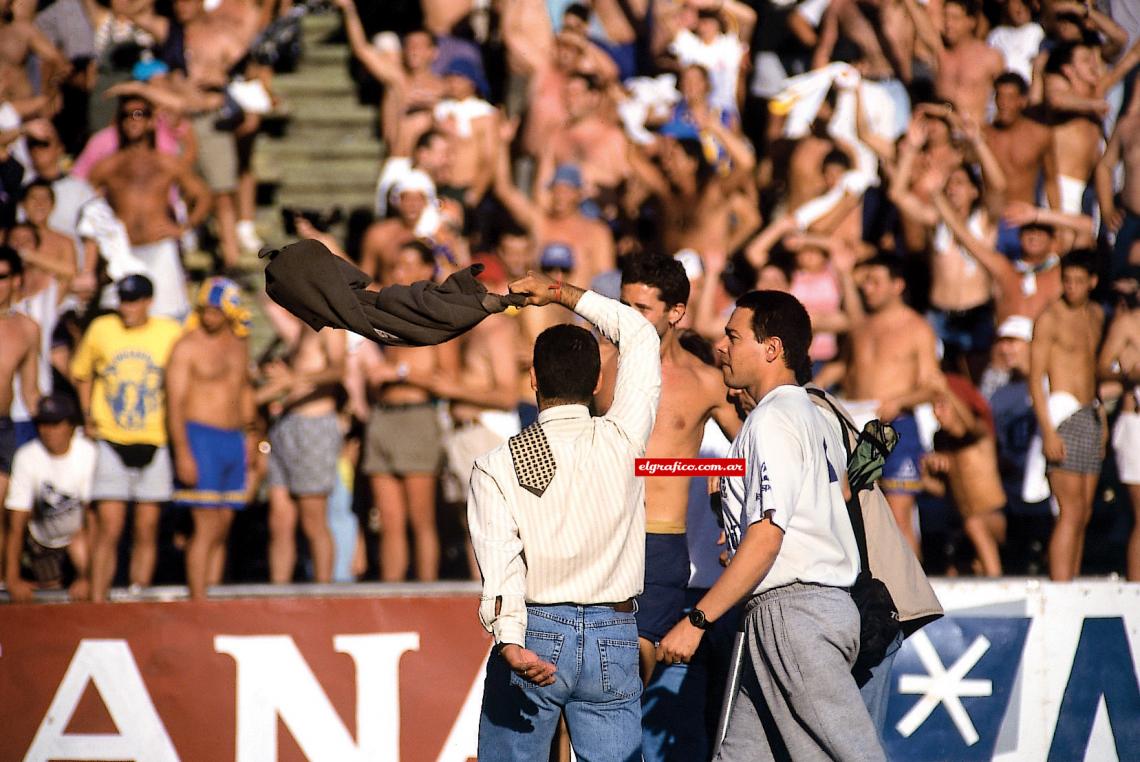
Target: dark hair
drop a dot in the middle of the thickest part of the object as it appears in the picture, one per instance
(590, 80)
(836, 156)
(427, 256)
(24, 226)
(1012, 78)
(665, 274)
(579, 10)
(779, 315)
(695, 151)
(39, 182)
(696, 345)
(422, 30)
(893, 264)
(510, 228)
(1084, 259)
(120, 112)
(566, 363)
(424, 140)
(1062, 55)
(12, 257)
(969, 6)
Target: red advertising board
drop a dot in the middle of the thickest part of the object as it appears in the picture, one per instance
(246, 679)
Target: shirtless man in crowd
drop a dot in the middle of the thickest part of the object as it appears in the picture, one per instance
(411, 88)
(1120, 361)
(213, 42)
(404, 446)
(1123, 218)
(965, 66)
(587, 138)
(470, 125)
(549, 61)
(691, 393)
(138, 180)
(209, 409)
(20, 40)
(383, 239)
(1023, 147)
(1077, 110)
(55, 247)
(560, 221)
(893, 362)
(484, 396)
(19, 358)
(1064, 351)
(304, 442)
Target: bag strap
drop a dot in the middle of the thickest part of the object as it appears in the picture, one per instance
(854, 507)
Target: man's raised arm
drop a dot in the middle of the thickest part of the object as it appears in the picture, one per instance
(638, 386)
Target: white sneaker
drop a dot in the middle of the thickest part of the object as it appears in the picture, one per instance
(247, 236)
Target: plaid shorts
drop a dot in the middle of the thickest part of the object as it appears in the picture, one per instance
(1083, 435)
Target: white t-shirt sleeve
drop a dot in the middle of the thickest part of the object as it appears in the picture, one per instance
(22, 485)
(86, 466)
(776, 472)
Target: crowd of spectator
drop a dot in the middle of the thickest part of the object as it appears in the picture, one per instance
(951, 188)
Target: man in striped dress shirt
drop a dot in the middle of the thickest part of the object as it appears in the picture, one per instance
(557, 521)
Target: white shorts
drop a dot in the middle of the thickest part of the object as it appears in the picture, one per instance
(163, 260)
(1126, 445)
(114, 480)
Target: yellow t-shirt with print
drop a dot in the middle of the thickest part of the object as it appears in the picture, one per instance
(128, 367)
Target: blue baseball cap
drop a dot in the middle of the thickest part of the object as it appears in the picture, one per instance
(679, 130)
(462, 66)
(144, 71)
(568, 174)
(557, 255)
(135, 287)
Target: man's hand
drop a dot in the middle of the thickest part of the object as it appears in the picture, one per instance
(80, 590)
(888, 411)
(527, 664)
(185, 468)
(680, 644)
(20, 591)
(539, 289)
(1054, 447)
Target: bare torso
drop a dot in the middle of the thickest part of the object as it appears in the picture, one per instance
(18, 338)
(496, 338)
(1071, 364)
(690, 391)
(546, 112)
(15, 47)
(218, 368)
(1020, 149)
(309, 356)
(381, 244)
(598, 148)
(1129, 130)
(957, 280)
(589, 239)
(467, 156)
(419, 359)
(805, 171)
(966, 77)
(885, 355)
(138, 182)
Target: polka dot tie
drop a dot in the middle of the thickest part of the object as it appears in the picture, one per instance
(533, 459)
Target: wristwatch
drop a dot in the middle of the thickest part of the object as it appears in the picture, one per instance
(698, 619)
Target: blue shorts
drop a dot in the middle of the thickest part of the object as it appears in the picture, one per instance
(220, 457)
(900, 473)
(666, 579)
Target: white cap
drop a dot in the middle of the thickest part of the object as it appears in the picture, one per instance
(691, 261)
(1016, 327)
(414, 181)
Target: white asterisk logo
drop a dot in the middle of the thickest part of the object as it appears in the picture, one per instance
(944, 686)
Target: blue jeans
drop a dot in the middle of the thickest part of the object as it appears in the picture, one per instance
(597, 686)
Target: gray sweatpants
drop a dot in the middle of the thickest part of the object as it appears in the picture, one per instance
(797, 698)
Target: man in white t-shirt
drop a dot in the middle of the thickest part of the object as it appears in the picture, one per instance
(47, 500)
(791, 553)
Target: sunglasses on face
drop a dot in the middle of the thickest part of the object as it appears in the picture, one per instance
(138, 113)
(554, 270)
(5, 276)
